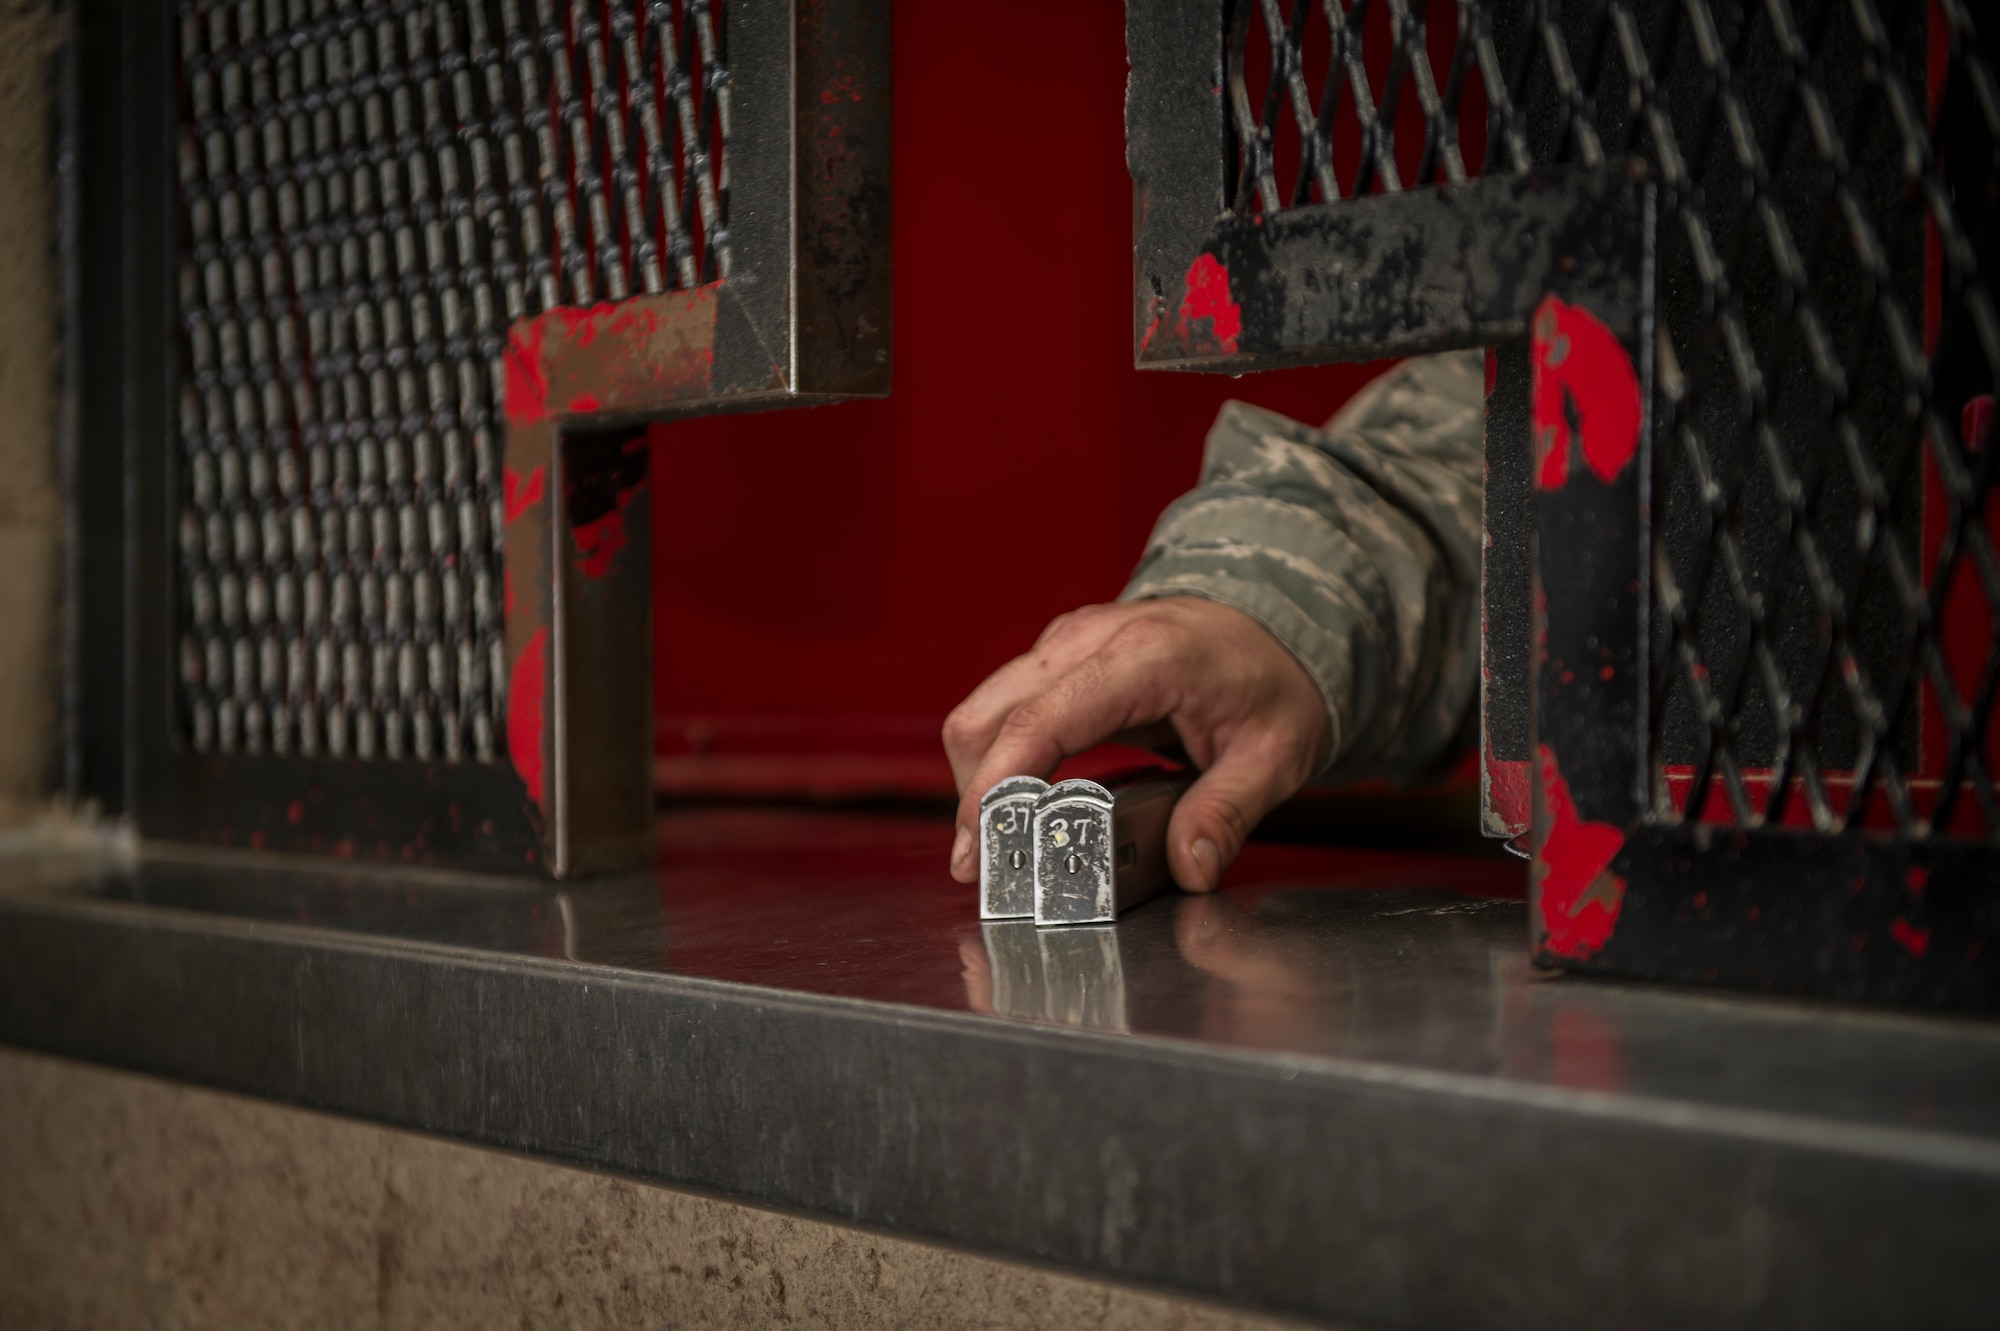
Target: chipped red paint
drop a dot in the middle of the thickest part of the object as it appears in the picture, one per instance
(536, 347)
(1578, 896)
(525, 391)
(598, 487)
(1507, 792)
(1578, 364)
(583, 324)
(580, 321)
(1913, 939)
(526, 688)
(598, 541)
(1208, 298)
(515, 495)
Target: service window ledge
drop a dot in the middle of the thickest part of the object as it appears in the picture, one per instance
(1335, 1089)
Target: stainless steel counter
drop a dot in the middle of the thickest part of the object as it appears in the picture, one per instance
(1335, 1088)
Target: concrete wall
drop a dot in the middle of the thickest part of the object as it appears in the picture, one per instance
(131, 1202)
(30, 504)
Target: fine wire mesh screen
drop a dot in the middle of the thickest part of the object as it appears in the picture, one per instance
(1826, 589)
(368, 195)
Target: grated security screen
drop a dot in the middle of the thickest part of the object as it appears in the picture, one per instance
(1319, 94)
(369, 196)
(380, 302)
(1771, 224)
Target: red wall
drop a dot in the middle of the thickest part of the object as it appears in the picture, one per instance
(834, 580)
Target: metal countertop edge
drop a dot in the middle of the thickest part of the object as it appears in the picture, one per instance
(1223, 1172)
(1928, 1149)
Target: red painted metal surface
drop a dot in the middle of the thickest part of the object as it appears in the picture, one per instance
(1586, 414)
(565, 493)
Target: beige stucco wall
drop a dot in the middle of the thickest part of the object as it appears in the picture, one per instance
(131, 1202)
(30, 508)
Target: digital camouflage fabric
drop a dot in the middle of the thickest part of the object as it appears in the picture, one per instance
(1357, 545)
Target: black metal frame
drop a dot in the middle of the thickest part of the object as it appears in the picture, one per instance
(801, 317)
(1180, 148)
(1560, 266)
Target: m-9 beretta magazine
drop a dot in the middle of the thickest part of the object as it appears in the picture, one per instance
(1101, 848)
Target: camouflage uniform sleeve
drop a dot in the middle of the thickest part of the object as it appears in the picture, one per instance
(1357, 546)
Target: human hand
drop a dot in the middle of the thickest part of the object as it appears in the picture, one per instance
(1241, 706)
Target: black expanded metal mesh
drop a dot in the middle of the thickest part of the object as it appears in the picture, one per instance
(1827, 593)
(369, 194)
(1828, 651)
(1328, 100)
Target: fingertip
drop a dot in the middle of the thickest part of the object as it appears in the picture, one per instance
(1206, 857)
(964, 867)
(1196, 844)
(1197, 863)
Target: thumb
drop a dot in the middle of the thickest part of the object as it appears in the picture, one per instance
(1219, 812)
